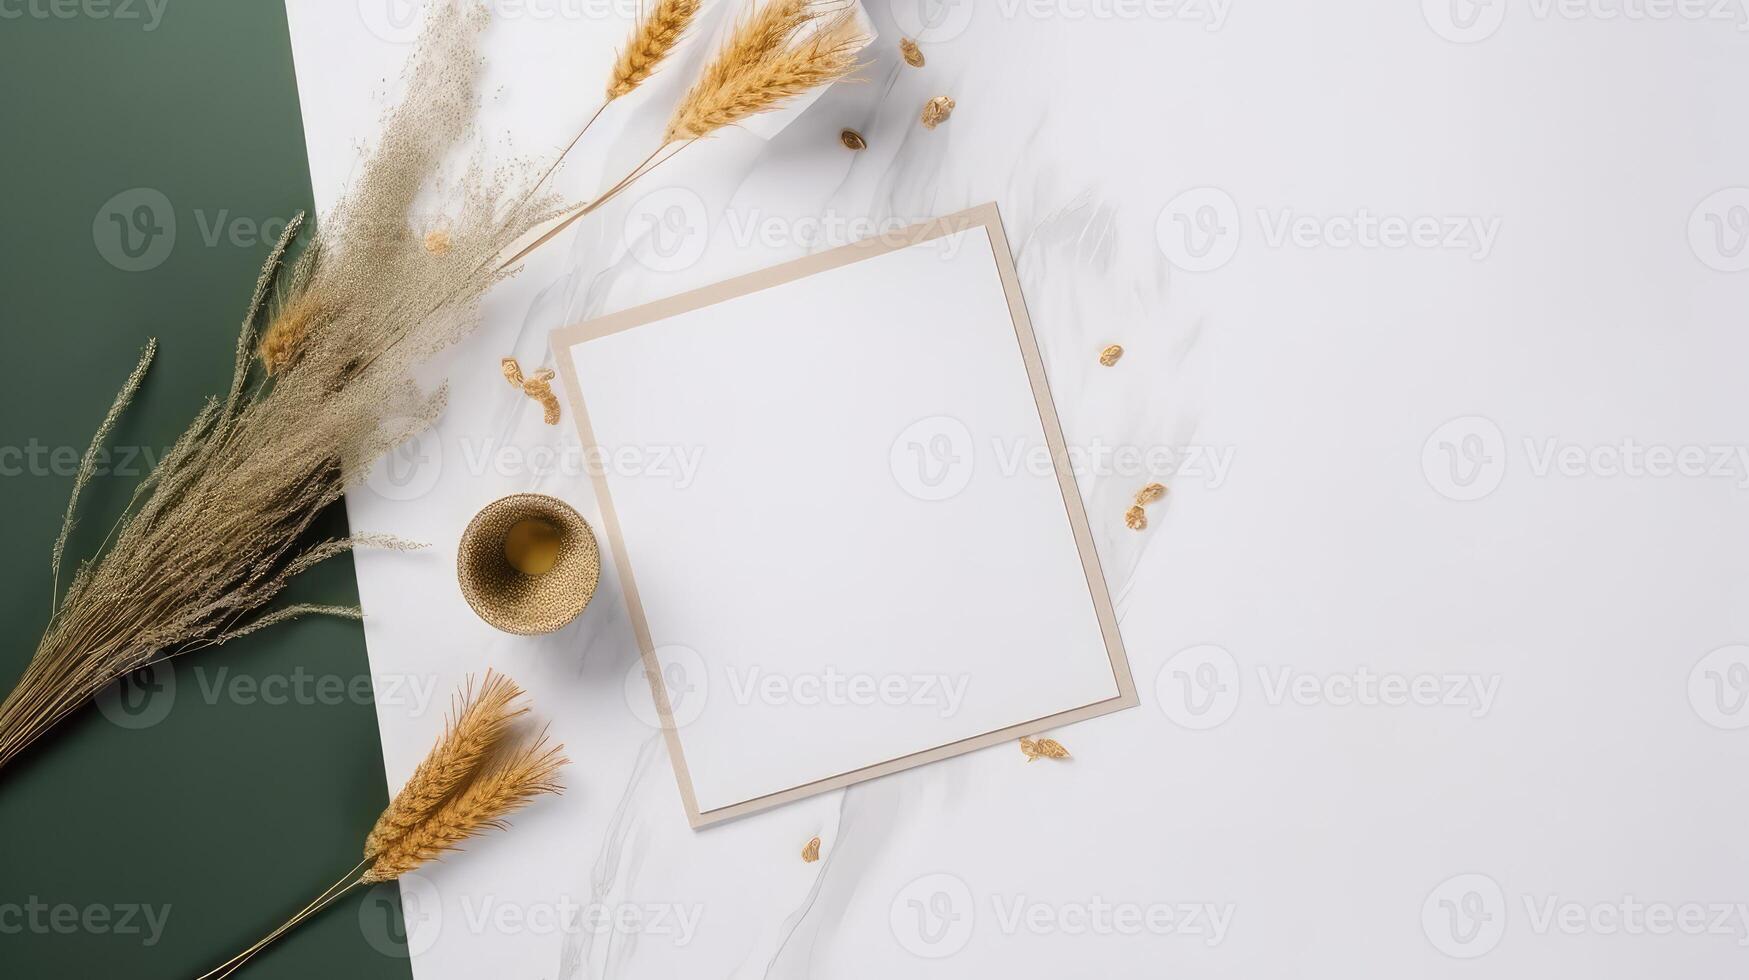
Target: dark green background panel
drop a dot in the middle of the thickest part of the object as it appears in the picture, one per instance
(190, 795)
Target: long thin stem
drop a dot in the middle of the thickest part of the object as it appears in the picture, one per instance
(624, 182)
(340, 887)
(554, 166)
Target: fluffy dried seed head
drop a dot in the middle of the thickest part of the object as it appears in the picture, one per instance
(287, 334)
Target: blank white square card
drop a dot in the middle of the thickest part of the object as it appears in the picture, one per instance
(837, 496)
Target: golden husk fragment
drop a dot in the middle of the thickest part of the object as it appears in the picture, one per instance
(936, 111)
(1043, 748)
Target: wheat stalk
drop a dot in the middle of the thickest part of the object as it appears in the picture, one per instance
(654, 39)
(476, 726)
(468, 783)
(506, 785)
(766, 62)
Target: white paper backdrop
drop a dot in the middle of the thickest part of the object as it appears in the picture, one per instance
(1434, 321)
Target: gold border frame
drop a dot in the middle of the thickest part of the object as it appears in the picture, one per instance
(986, 217)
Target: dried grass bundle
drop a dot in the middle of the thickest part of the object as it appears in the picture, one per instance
(476, 774)
(217, 531)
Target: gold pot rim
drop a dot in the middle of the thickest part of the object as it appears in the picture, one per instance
(507, 599)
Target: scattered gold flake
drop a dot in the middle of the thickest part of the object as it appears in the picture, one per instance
(913, 54)
(1136, 518)
(437, 242)
(1109, 356)
(936, 111)
(811, 853)
(852, 140)
(1150, 493)
(539, 387)
(1044, 748)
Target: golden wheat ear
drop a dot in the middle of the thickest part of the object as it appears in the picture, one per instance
(509, 783)
(787, 48)
(478, 726)
(654, 39)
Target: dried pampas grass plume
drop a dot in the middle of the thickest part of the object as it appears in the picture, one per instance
(478, 723)
(782, 51)
(655, 38)
(224, 522)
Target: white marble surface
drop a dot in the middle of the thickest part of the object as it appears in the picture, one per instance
(1368, 260)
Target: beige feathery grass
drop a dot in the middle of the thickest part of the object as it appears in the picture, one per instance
(507, 784)
(220, 527)
(225, 520)
(783, 50)
(88, 463)
(477, 725)
(654, 39)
